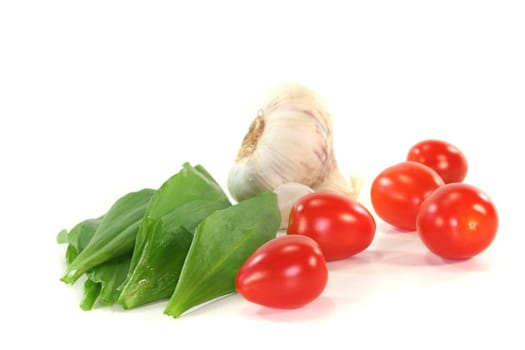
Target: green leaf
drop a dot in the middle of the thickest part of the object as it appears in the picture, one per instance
(78, 238)
(166, 233)
(221, 244)
(114, 237)
(63, 237)
(91, 293)
(158, 270)
(190, 183)
(102, 280)
(110, 276)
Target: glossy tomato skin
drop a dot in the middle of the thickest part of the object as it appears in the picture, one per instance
(398, 191)
(446, 159)
(457, 221)
(286, 272)
(342, 227)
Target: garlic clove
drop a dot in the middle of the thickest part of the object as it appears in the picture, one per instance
(356, 181)
(336, 182)
(290, 140)
(287, 194)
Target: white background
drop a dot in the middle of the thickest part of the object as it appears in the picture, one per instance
(100, 98)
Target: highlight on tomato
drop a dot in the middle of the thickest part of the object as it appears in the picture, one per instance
(398, 191)
(457, 221)
(286, 272)
(341, 226)
(443, 157)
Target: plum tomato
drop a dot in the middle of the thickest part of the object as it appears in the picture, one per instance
(286, 272)
(343, 227)
(446, 159)
(397, 192)
(457, 221)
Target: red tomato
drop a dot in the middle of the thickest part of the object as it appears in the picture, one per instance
(285, 272)
(341, 226)
(446, 159)
(457, 221)
(397, 192)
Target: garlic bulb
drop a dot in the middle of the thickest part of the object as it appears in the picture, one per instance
(290, 140)
(287, 194)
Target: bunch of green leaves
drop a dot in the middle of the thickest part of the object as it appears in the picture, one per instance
(183, 242)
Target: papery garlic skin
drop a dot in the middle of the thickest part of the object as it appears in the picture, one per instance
(287, 194)
(289, 141)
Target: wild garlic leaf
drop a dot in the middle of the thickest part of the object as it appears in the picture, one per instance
(190, 183)
(110, 276)
(114, 237)
(91, 293)
(158, 270)
(78, 238)
(166, 232)
(102, 280)
(221, 244)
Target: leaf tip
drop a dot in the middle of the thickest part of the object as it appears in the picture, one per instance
(70, 276)
(174, 312)
(62, 237)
